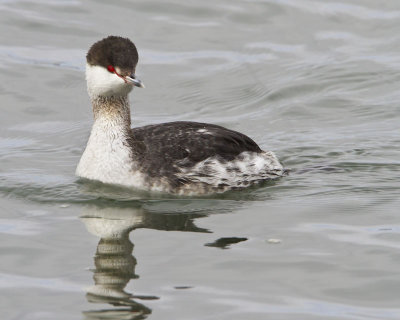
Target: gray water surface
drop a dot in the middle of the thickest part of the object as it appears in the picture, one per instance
(314, 81)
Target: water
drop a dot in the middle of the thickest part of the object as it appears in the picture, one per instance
(314, 81)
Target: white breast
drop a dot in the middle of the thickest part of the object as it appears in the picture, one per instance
(108, 157)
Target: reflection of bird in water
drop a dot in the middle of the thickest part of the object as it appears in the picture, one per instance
(114, 263)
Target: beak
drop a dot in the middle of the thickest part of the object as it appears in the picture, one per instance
(135, 81)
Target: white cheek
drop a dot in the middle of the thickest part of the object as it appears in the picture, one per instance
(101, 82)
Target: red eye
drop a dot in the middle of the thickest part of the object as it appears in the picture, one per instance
(110, 68)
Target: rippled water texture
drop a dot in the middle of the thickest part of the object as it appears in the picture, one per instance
(315, 81)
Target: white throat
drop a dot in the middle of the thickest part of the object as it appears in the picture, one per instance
(102, 83)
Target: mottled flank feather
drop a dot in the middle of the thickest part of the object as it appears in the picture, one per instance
(198, 158)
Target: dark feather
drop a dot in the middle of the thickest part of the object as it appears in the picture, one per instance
(180, 143)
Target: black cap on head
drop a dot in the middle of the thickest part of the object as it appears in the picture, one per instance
(115, 51)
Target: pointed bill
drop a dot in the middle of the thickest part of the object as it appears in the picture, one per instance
(135, 81)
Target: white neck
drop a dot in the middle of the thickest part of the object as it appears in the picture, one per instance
(108, 155)
(113, 111)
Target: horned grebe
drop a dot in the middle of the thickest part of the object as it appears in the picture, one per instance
(177, 157)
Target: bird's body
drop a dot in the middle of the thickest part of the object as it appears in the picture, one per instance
(176, 157)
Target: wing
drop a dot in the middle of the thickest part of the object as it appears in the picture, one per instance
(187, 143)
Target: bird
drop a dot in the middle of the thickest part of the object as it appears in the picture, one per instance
(179, 157)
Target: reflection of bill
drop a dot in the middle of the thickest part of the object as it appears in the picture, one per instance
(114, 263)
